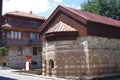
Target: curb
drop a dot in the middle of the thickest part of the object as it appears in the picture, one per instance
(47, 77)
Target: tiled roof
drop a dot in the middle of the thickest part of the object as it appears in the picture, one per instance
(82, 14)
(24, 14)
(94, 17)
(61, 27)
(20, 27)
(27, 25)
(6, 26)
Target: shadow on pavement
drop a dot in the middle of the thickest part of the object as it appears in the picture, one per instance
(5, 78)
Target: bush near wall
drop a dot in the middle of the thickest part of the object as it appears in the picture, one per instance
(3, 50)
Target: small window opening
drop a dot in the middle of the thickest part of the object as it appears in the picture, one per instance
(34, 62)
(51, 62)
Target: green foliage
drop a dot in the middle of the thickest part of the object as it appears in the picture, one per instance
(91, 6)
(102, 7)
(3, 50)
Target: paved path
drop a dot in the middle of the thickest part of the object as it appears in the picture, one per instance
(9, 74)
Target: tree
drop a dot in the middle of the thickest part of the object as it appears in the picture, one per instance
(109, 8)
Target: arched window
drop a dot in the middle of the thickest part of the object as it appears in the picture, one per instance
(51, 63)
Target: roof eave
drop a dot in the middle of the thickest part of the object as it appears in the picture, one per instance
(23, 16)
(63, 9)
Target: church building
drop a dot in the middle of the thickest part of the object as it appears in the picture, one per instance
(79, 44)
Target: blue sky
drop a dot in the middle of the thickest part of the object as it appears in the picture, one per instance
(39, 7)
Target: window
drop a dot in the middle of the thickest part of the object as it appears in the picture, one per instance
(3, 35)
(51, 63)
(6, 20)
(33, 22)
(19, 35)
(40, 49)
(19, 51)
(16, 35)
(33, 36)
(34, 62)
(34, 51)
(12, 34)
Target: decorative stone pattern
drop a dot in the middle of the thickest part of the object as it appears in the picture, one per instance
(18, 61)
(104, 55)
(87, 56)
(69, 59)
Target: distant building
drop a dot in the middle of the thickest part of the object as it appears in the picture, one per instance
(19, 33)
(78, 44)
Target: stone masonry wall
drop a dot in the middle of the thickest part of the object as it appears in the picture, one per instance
(104, 55)
(69, 59)
(87, 56)
(18, 61)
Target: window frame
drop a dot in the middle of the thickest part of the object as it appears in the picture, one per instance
(33, 36)
(35, 51)
(17, 35)
(19, 51)
(34, 63)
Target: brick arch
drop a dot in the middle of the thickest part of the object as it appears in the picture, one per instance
(94, 60)
(114, 60)
(82, 65)
(71, 66)
(105, 59)
(59, 60)
(60, 66)
(82, 60)
(94, 64)
(71, 60)
(105, 64)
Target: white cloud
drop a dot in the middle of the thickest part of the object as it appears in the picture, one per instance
(37, 6)
(58, 1)
(76, 7)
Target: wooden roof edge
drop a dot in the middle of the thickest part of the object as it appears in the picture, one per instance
(59, 8)
(39, 17)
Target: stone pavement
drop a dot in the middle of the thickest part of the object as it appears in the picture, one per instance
(10, 74)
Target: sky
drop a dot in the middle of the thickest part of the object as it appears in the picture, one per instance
(38, 7)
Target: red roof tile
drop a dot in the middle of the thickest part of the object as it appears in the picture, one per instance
(83, 17)
(61, 27)
(94, 17)
(24, 14)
